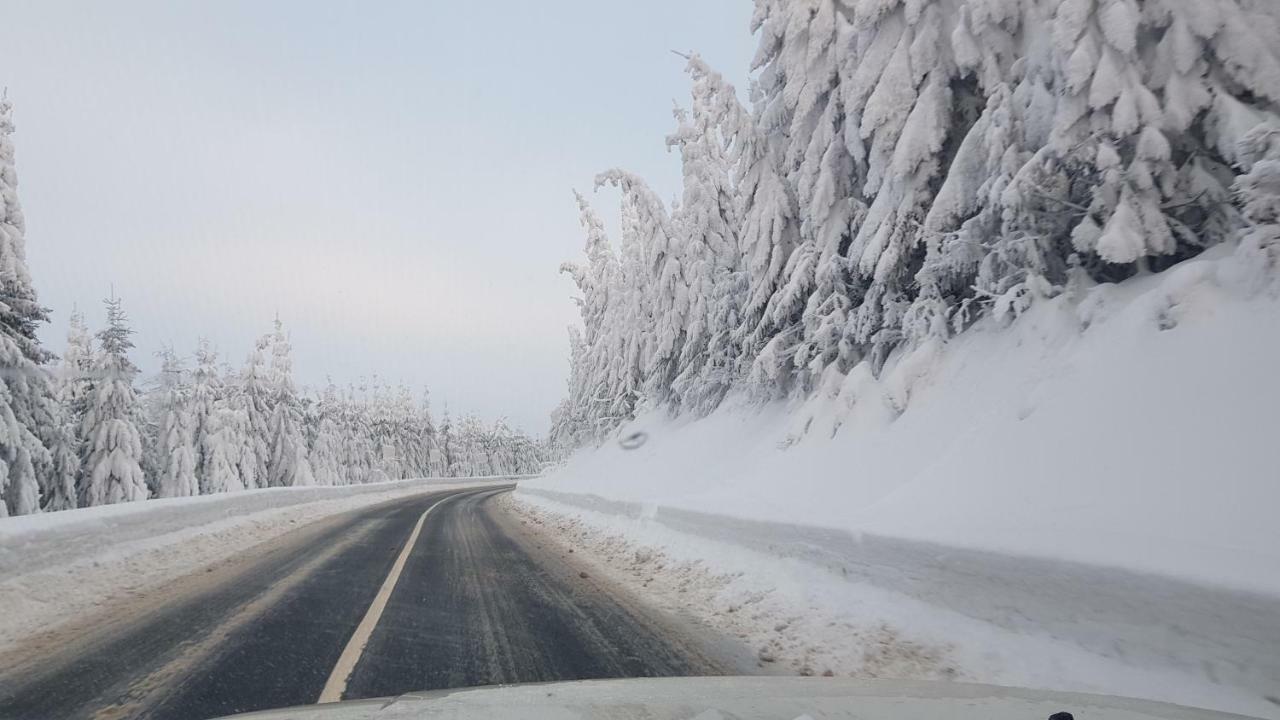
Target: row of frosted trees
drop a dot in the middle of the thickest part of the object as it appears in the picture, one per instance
(906, 167)
(85, 431)
(202, 426)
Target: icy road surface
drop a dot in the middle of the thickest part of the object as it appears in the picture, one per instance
(473, 601)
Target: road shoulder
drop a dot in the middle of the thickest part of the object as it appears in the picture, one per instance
(593, 573)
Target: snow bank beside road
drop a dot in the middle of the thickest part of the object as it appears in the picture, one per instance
(1084, 500)
(899, 615)
(1132, 426)
(56, 567)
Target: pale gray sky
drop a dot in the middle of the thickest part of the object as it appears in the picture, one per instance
(392, 178)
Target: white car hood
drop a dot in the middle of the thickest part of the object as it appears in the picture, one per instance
(745, 698)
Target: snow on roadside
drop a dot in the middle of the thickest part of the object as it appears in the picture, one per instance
(800, 619)
(1123, 433)
(57, 567)
(767, 618)
(1129, 425)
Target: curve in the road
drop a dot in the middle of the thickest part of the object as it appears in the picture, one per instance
(336, 686)
(481, 604)
(472, 602)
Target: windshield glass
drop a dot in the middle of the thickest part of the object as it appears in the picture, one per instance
(350, 350)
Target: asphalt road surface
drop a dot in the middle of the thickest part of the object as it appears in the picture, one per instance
(351, 608)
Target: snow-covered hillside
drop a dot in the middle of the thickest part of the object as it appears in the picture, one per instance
(1131, 425)
(1005, 506)
(906, 168)
(971, 315)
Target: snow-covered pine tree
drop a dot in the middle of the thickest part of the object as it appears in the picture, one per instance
(73, 383)
(411, 435)
(804, 49)
(492, 441)
(382, 425)
(112, 467)
(149, 433)
(606, 376)
(570, 425)
(235, 431)
(59, 491)
(325, 451)
(406, 439)
(472, 460)
(426, 429)
(708, 223)
(567, 431)
(216, 422)
(1258, 191)
(631, 327)
(358, 456)
(244, 444)
(310, 426)
(75, 374)
(204, 392)
(766, 202)
(19, 487)
(660, 301)
(176, 452)
(288, 466)
(253, 396)
(435, 455)
(448, 445)
(29, 422)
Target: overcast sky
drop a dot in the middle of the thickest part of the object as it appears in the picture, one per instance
(393, 179)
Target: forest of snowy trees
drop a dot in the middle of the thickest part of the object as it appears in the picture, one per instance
(84, 430)
(905, 167)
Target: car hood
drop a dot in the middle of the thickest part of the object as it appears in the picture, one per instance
(745, 698)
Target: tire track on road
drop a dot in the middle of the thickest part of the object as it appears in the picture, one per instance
(261, 633)
(477, 604)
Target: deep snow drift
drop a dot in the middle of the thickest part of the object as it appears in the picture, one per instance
(1165, 392)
